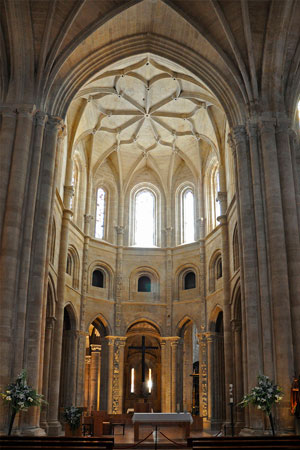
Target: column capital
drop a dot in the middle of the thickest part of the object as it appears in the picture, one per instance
(267, 125)
(88, 218)
(111, 339)
(120, 229)
(252, 128)
(96, 348)
(283, 124)
(88, 359)
(239, 134)
(54, 123)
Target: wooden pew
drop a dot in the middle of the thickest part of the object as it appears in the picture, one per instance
(243, 442)
(57, 442)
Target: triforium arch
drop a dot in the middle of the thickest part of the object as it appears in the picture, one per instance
(216, 369)
(96, 373)
(67, 393)
(238, 358)
(187, 367)
(142, 367)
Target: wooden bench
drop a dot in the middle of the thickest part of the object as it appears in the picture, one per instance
(243, 442)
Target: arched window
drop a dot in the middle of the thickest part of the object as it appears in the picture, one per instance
(188, 222)
(235, 249)
(69, 265)
(189, 281)
(100, 213)
(144, 284)
(144, 231)
(98, 278)
(75, 182)
(53, 239)
(219, 268)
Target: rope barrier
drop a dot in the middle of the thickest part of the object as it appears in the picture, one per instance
(171, 440)
(138, 443)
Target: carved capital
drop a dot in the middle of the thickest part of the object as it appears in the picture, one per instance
(54, 123)
(87, 218)
(120, 229)
(267, 126)
(239, 134)
(283, 125)
(96, 348)
(40, 118)
(88, 359)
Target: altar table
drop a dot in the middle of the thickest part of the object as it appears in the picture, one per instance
(162, 419)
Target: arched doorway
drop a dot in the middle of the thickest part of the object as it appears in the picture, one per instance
(96, 367)
(68, 359)
(188, 368)
(142, 367)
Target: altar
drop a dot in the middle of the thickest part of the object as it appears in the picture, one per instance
(162, 419)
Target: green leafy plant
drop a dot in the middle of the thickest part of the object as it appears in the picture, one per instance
(264, 396)
(72, 416)
(20, 397)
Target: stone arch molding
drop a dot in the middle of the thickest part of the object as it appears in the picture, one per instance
(62, 93)
(214, 316)
(73, 315)
(180, 273)
(107, 290)
(155, 284)
(142, 318)
(104, 321)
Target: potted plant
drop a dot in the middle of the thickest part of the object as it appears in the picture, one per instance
(20, 397)
(264, 396)
(72, 416)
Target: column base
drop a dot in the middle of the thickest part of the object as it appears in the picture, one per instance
(32, 431)
(54, 428)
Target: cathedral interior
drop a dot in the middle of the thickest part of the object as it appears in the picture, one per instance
(150, 205)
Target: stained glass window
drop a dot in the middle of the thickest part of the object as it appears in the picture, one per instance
(144, 219)
(100, 213)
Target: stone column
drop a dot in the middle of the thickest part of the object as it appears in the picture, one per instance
(38, 269)
(83, 325)
(111, 344)
(228, 356)
(169, 289)
(174, 346)
(250, 293)
(53, 422)
(262, 256)
(12, 227)
(281, 308)
(50, 323)
(163, 375)
(238, 368)
(291, 227)
(210, 338)
(119, 277)
(8, 127)
(87, 374)
(203, 379)
(95, 371)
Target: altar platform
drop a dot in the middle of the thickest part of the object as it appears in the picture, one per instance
(173, 433)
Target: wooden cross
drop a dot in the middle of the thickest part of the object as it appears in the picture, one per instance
(143, 347)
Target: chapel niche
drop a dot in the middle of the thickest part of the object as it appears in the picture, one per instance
(143, 395)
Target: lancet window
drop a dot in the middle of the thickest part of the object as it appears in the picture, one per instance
(188, 214)
(100, 213)
(144, 231)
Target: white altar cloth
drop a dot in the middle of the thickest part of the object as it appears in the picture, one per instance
(162, 417)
